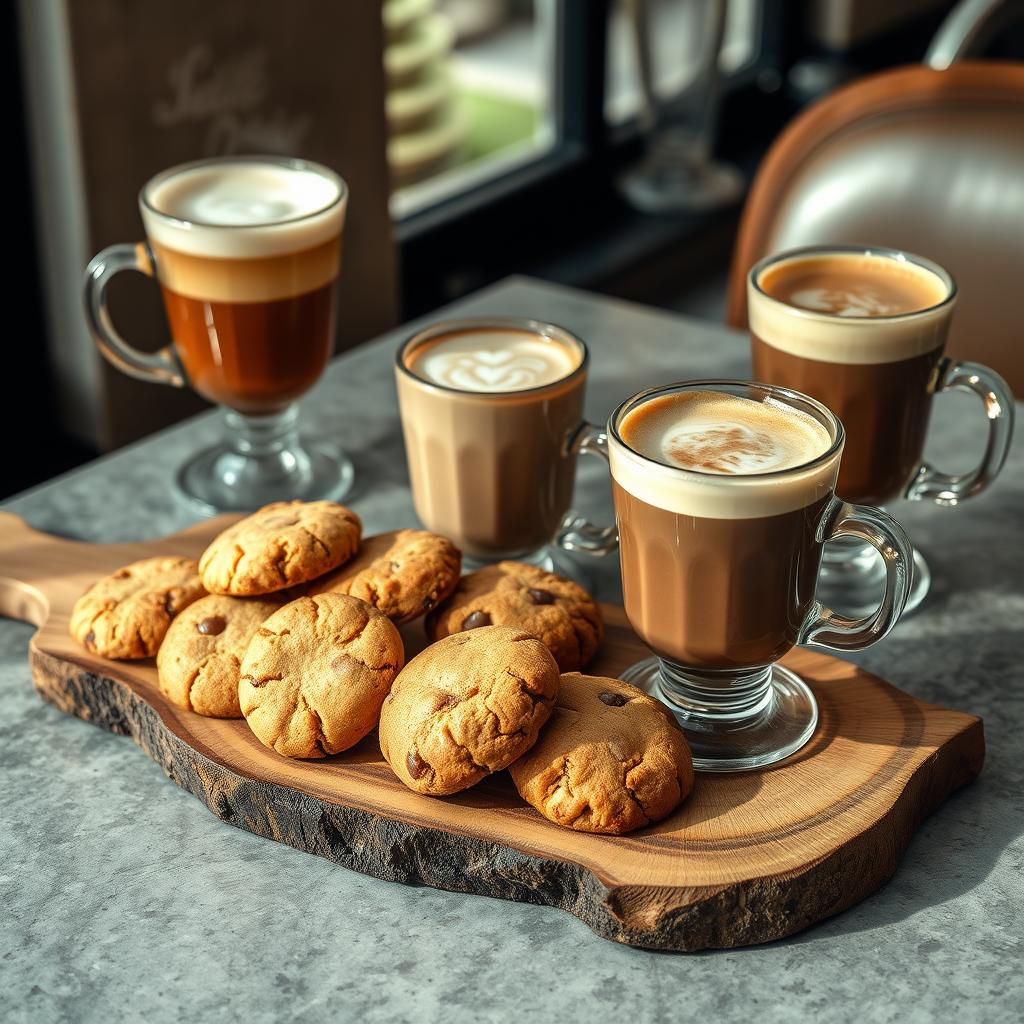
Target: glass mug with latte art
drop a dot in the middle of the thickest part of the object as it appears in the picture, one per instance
(247, 252)
(863, 330)
(492, 419)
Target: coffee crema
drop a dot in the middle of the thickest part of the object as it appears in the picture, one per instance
(491, 361)
(847, 307)
(709, 454)
(716, 433)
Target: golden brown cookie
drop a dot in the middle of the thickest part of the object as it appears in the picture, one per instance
(282, 544)
(611, 759)
(467, 706)
(553, 609)
(404, 573)
(126, 614)
(199, 661)
(316, 673)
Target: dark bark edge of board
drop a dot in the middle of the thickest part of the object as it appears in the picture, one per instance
(663, 918)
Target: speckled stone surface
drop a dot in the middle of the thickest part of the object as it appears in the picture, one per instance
(124, 899)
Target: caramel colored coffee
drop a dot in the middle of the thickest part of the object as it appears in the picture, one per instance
(718, 500)
(247, 265)
(863, 334)
(487, 416)
(852, 285)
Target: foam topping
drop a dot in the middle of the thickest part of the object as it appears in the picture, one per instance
(276, 208)
(725, 445)
(493, 360)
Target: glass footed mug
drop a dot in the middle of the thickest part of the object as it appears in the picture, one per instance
(247, 252)
(879, 374)
(719, 572)
(492, 461)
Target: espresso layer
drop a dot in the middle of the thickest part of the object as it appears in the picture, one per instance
(255, 357)
(494, 360)
(705, 453)
(713, 593)
(884, 408)
(243, 209)
(264, 279)
(794, 311)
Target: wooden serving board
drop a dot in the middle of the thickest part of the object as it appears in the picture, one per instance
(749, 857)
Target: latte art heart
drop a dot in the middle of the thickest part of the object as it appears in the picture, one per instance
(495, 361)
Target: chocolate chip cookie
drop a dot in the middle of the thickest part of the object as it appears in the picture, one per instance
(404, 573)
(200, 659)
(467, 706)
(555, 610)
(316, 673)
(126, 614)
(282, 544)
(612, 759)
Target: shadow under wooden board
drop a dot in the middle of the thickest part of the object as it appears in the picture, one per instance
(749, 857)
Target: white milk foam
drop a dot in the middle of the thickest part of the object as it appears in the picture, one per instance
(494, 361)
(709, 452)
(275, 209)
(851, 334)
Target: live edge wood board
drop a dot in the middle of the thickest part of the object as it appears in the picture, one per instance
(748, 858)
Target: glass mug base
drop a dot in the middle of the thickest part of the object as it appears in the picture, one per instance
(852, 579)
(264, 461)
(781, 723)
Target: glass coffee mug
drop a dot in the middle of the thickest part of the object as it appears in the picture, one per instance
(725, 495)
(492, 419)
(247, 252)
(863, 330)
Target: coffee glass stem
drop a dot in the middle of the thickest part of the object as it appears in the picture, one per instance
(929, 484)
(160, 367)
(576, 532)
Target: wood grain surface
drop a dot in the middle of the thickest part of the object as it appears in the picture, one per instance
(749, 857)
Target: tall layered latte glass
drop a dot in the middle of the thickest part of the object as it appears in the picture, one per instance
(724, 495)
(863, 330)
(492, 419)
(247, 252)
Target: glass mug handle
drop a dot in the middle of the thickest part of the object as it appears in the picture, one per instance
(948, 489)
(577, 533)
(161, 366)
(873, 526)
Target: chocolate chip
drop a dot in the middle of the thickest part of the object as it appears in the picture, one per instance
(541, 596)
(613, 700)
(90, 640)
(211, 626)
(474, 620)
(416, 765)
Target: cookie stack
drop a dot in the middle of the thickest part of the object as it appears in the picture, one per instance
(290, 617)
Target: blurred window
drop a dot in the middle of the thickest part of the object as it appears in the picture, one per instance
(675, 48)
(471, 93)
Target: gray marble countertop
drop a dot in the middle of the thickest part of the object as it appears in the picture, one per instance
(125, 899)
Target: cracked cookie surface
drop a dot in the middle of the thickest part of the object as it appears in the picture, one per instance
(557, 611)
(404, 573)
(611, 759)
(467, 706)
(200, 659)
(126, 614)
(282, 544)
(316, 673)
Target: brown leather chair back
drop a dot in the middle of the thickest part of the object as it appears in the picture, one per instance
(917, 159)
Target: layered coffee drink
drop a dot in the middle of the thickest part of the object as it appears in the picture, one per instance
(247, 253)
(725, 496)
(720, 500)
(862, 331)
(489, 410)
